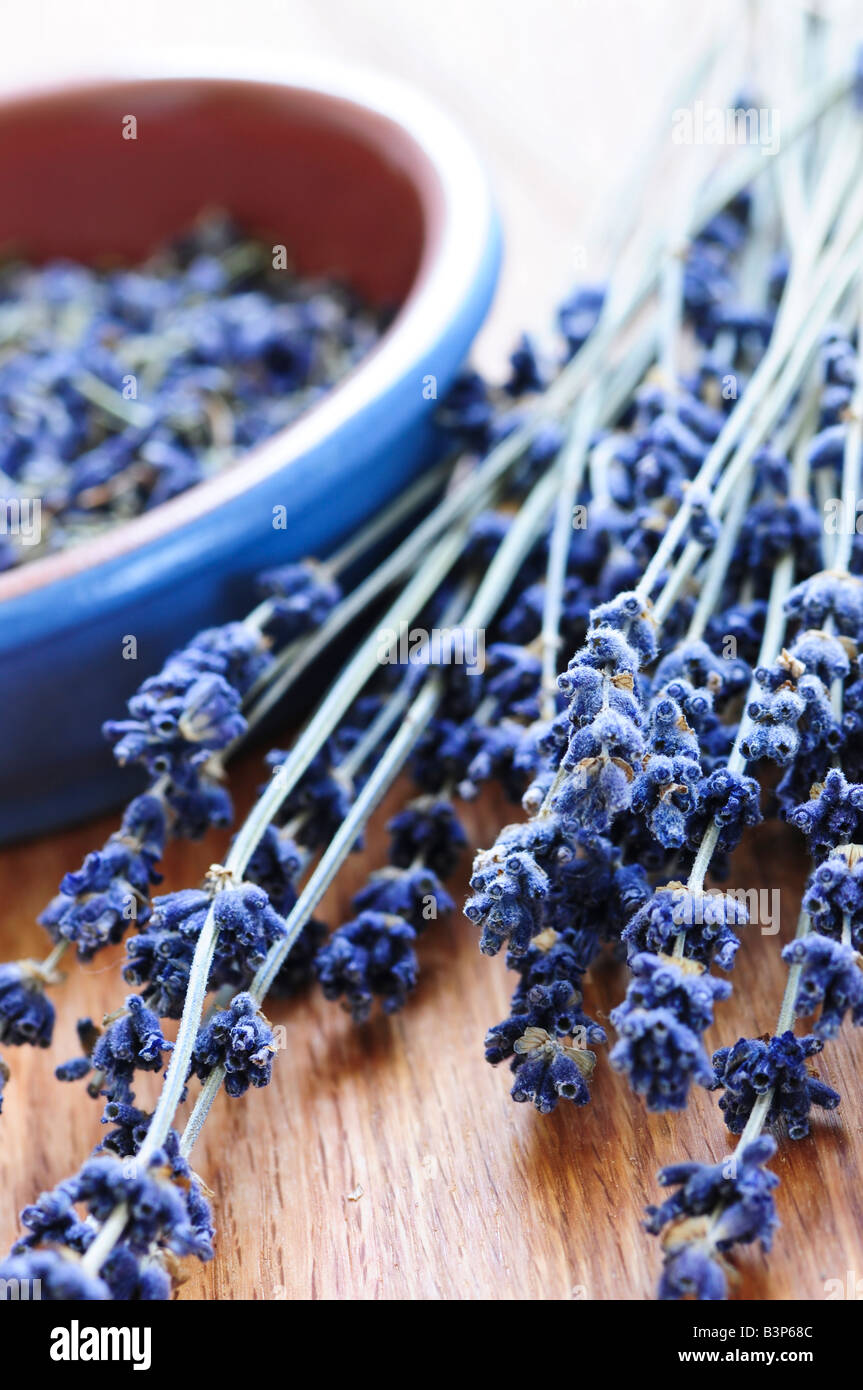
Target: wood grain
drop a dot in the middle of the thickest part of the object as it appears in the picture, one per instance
(388, 1162)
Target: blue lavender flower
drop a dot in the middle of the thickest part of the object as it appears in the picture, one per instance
(198, 802)
(715, 1207)
(548, 1069)
(833, 815)
(428, 831)
(301, 595)
(754, 1066)
(26, 1013)
(708, 922)
(239, 1039)
(132, 1042)
(728, 800)
(822, 655)
(606, 742)
(112, 888)
(504, 753)
(512, 679)
(830, 976)
(741, 622)
(131, 1125)
(275, 866)
(444, 753)
(58, 1277)
(166, 1214)
(664, 793)
(774, 527)
(834, 896)
(297, 971)
(319, 802)
(370, 957)
(189, 711)
(556, 955)
(627, 614)
(509, 883)
(791, 714)
(160, 957)
(4, 1077)
(136, 1279)
(555, 1006)
(829, 596)
(406, 893)
(526, 374)
(467, 411)
(53, 1219)
(577, 316)
(827, 448)
(547, 1034)
(602, 758)
(668, 1006)
(159, 1210)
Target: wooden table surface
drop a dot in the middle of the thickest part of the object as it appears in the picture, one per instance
(389, 1162)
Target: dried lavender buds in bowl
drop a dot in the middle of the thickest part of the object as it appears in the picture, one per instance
(121, 388)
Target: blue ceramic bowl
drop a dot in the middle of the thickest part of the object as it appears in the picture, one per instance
(360, 180)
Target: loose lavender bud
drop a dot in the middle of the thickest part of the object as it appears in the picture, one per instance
(222, 348)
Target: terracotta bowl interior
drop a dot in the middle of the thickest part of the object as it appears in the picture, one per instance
(344, 189)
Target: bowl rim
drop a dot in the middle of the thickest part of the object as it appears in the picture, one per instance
(458, 223)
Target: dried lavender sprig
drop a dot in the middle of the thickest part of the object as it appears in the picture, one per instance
(461, 504)
(570, 380)
(767, 400)
(785, 351)
(778, 397)
(327, 716)
(694, 1242)
(771, 643)
(575, 454)
(496, 582)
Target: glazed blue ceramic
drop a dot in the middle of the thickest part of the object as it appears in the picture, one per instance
(361, 180)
